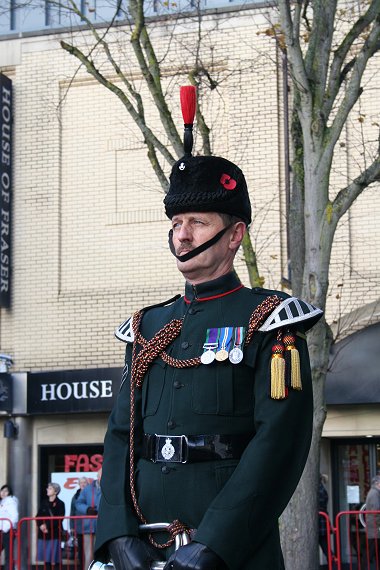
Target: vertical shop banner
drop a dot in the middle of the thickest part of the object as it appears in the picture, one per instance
(6, 113)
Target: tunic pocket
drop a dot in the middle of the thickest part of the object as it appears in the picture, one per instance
(223, 388)
(152, 388)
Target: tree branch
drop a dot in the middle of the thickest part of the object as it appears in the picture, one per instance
(150, 69)
(295, 56)
(251, 262)
(337, 75)
(319, 48)
(348, 195)
(139, 120)
(353, 90)
(202, 127)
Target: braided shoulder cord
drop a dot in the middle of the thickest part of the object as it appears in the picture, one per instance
(140, 362)
(147, 354)
(174, 362)
(260, 314)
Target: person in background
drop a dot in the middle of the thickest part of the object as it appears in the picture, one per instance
(373, 520)
(50, 531)
(75, 524)
(323, 499)
(88, 504)
(8, 521)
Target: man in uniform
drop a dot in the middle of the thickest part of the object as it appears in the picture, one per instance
(212, 426)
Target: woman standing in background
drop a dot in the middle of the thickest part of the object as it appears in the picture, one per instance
(50, 531)
(8, 521)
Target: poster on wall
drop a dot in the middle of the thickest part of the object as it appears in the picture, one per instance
(69, 484)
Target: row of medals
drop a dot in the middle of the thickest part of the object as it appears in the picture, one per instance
(235, 355)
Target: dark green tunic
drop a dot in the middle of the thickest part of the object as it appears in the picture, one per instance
(233, 504)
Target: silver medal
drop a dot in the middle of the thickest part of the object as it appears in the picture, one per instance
(207, 357)
(168, 450)
(236, 355)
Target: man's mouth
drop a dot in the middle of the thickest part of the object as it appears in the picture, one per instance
(184, 249)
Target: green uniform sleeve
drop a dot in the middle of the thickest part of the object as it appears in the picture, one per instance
(116, 512)
(246, 511)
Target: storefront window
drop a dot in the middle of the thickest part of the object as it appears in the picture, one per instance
(68, 459)
(353, 474)
(355, 463)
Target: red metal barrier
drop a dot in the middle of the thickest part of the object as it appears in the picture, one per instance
(67, 544)
(7, 538)
(358, 540)
(328, 537)
(353, 538)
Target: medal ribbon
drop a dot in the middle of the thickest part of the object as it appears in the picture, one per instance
(211, 339)
(225, 337)
(239, 336)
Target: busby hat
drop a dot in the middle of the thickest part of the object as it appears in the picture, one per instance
(205, 183)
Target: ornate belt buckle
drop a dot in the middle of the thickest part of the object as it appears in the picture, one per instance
(171, 449)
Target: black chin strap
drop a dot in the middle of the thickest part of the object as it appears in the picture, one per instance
(196, 250)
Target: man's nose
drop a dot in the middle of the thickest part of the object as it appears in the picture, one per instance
(184, 233)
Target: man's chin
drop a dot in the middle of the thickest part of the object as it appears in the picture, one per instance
(184, 263)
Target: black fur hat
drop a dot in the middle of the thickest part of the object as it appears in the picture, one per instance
(207, 184)
(204, 183)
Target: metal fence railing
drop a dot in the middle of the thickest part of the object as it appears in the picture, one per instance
(352, 544)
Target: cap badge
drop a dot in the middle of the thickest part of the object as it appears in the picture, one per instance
(182, 166)
(228, 182)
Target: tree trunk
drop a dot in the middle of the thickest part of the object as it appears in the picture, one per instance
(299, 522)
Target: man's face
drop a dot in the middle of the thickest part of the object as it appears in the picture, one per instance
(195, 228)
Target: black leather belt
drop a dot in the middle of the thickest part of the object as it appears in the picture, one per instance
(192, 448)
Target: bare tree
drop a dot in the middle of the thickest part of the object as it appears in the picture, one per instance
(199, 73)
(326, 63)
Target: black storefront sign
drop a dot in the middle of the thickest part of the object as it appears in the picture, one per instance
(72, 391)
(6, 394)
(6, 112)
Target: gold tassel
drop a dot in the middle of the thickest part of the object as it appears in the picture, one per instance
(277, 369)
(290, 344)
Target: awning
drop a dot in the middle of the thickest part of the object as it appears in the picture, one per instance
(354, 369)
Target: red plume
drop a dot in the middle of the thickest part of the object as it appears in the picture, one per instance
(188, 98)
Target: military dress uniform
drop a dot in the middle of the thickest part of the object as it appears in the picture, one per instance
(213, 422)
(243, 452)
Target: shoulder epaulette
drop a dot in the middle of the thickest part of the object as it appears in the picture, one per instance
(290, 312)
(125, 333)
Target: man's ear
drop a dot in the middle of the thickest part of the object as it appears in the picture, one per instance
(237, 235)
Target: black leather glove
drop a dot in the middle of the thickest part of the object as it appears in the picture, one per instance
(92, 511)
(195, 556)
(132, 553)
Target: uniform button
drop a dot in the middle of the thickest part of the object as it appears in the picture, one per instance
(177, 384)
(185, 344)
(165, 470)
(171, 424)
(191, 311)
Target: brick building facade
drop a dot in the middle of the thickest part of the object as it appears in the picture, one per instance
(89, 242)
